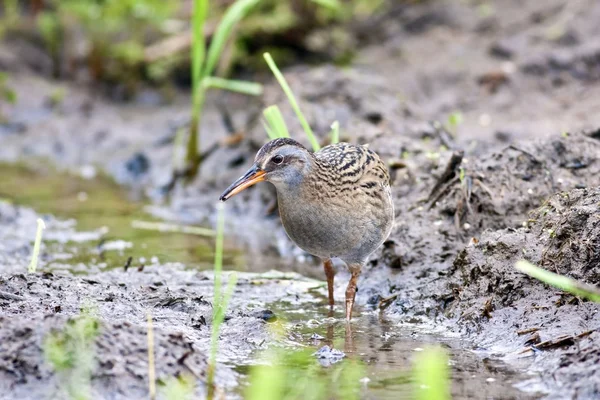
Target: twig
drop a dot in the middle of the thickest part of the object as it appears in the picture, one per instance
(166, 227)
(449, 173)
(386, 301)
(526, 331)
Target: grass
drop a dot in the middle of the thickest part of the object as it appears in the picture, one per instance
(292, 99)
(71, 353)
(335, 132)
(274, 123)
(294, 375)
(431, 375)
(455, 119)
(559, 281)
(220, 302)
(179, 388)
(36, 246)
(291, 375)
(204, 62)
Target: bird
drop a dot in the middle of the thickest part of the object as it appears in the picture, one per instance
(333, 203)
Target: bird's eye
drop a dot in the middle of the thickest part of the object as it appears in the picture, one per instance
(277, 159)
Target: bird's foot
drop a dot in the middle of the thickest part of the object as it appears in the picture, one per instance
(351, 292)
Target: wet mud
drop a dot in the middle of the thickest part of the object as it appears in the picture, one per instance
(517, 179)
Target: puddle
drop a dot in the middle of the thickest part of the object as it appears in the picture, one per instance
(386, 349)
(103, 212)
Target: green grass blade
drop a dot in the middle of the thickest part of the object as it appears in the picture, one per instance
(36, 246)
(431, 376)
(267, 379)
(218, 263)
(219, 302)
(275, 122)
(233, 14)
(290, 95)
(198, 49)
(333, 5)
(335, 132)
(562, 282)
(270, 132)
(245, 87)
(218, 318)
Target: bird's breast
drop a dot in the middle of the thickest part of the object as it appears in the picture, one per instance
(352, 225)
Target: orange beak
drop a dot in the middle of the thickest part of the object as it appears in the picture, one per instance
(254, 175)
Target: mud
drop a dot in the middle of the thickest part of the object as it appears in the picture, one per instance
(524, 77)
(561, 235)
(179, 300)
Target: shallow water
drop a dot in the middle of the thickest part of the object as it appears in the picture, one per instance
(100, 205)
(386, 349)
(382, 347)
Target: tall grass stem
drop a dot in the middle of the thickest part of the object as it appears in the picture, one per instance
(292, 99)
(275, 124)
(233, 14)
(335, 132)
(244, 87)
(36, 246)
(220, 302)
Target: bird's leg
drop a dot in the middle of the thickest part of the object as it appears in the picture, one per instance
(329, 272)
(351, 289)
(349, 345)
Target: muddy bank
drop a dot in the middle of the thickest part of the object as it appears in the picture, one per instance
(525, 316)
(32, 306)
(180, 303)
(455, 257)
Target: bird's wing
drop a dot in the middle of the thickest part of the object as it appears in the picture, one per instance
(355, 166)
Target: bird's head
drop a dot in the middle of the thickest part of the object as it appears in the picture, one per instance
(283, 162)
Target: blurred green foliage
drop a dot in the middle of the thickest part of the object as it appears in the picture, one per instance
(71, 353)
(431, 375)
(179, 387)
(7, 95)
(115, 32)
(292, 375)
(110, 38)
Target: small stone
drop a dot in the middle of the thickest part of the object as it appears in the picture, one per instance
(328, 356)
(265, 315)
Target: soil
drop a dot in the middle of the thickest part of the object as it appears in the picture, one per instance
(523, 184)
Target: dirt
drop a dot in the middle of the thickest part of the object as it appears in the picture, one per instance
(525, 79)
(179, 300)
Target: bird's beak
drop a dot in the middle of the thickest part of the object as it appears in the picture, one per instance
(252, 176)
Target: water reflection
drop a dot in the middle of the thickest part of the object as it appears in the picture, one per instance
(387, 349)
